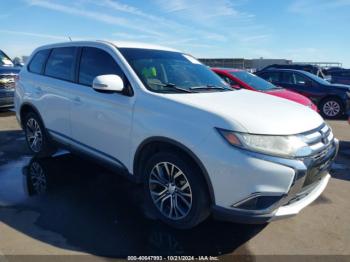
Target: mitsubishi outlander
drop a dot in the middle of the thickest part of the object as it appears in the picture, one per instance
(163, 119)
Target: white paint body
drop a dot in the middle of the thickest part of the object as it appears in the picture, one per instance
(113, 126)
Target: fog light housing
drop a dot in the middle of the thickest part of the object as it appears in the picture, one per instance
(258, 202)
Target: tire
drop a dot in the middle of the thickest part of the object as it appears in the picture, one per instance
(37, 179)
(35, 131)
(187, 193)
(331, 108)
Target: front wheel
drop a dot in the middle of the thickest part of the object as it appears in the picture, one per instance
(331, 108)
(175, 188)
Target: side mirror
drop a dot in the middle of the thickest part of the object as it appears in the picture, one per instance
(18, 64)
(109, 83)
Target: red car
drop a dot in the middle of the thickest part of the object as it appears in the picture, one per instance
(242, 79)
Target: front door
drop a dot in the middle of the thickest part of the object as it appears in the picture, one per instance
(100, 122)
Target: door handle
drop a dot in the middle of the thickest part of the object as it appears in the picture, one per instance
(77, 99)
(38, 90)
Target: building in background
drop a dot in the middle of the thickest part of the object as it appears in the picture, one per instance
(227, 62)
(260, 63)
(241, 63)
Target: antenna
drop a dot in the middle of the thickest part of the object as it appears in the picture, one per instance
(70, 39)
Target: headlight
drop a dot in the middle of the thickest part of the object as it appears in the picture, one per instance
(286, 146)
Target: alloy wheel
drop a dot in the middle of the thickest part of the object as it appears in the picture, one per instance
(37, 178)
(170, 190)
(34, 135)
(331, 108)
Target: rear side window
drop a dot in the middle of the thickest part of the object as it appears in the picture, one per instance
(95, 62)
(38, 61)
(271, 76)
(61, 63)
(293, 78)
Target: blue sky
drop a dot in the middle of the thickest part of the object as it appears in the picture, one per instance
(302, 30)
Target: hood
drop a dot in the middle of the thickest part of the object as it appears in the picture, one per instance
(340, 86)
(9, 70)
(252, 112)
(290, 95)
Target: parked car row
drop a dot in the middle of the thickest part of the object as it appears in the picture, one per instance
(332, 99)
(8, 73)
(313, 69)
(294, 84)
(242, 79)
(162, 118)
(334, 75)
(340, 76)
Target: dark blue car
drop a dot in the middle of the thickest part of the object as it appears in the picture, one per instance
(341, 76)
(333, 100)
(8, 72)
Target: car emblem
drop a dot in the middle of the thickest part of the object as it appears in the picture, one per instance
(324, 138)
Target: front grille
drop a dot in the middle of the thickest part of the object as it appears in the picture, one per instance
(7, 82)
(323, 150)
(319, 141)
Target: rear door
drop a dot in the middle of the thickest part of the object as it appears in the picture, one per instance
(101, 121)
(289, 80)
(302, 84)
(55, 87)
(31, 79)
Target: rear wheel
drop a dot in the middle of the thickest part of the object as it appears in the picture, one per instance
(331, 108)
(176, 191)
(36, 136)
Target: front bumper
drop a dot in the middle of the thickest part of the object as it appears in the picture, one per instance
(347, 105)
(311, 178)
(6, 99)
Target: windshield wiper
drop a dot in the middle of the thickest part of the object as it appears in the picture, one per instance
(209, 87)
(171, 85)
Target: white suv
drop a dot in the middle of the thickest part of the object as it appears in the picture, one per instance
(164, 119)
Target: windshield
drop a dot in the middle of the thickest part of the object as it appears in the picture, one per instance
(5, 60)
(172, 72)
(317, 79)
(253, 81)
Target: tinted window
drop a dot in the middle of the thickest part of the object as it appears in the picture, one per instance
(271, 76)
(95, 62)
(253, 80)
(5, 60)
(38, 61)
(299, 79)
(288, 78)
(316, 78)
(294, 78)
(61, 63)
(228, 80)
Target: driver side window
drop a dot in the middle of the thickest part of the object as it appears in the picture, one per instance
(95, 62)
(300, 79)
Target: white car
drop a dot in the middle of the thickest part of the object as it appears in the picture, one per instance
(165, 120)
